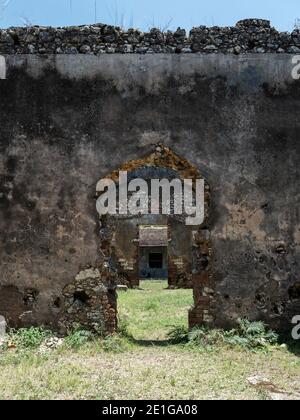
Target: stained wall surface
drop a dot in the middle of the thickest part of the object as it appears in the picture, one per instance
(66, 121)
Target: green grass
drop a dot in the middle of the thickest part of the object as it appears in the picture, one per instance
(142, 368)
(151, 312)
(143, 372)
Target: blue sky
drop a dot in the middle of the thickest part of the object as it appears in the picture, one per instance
(146, 13)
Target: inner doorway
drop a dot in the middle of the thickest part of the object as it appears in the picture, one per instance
(153, 263)
(153, 252)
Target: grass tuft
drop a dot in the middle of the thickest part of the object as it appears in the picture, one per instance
(178, 335)
(78, 339)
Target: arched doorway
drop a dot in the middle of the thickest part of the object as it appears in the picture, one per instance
(140, 245)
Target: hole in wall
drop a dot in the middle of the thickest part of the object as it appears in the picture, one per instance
(251, 44)
(81, 297)
(260, 300)
(280, 249)
(30, 297)
(57, 302)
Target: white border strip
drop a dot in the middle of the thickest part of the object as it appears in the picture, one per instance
(2, 67)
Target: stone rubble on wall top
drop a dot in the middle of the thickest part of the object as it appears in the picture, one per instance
(249, 35)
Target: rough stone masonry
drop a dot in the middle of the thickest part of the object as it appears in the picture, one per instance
(70, 115)
(250, 35)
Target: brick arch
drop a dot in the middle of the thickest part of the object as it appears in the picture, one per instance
(200, 275)
(162, 157)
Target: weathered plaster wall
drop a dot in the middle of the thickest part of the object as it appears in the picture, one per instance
(66, 121)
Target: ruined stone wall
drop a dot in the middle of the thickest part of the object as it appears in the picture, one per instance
(89, 302)
(180, 255)
(250, 35)
(66, 121)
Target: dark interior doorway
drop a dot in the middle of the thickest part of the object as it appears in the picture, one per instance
(153, 263)
(156, 260)
(153, 252)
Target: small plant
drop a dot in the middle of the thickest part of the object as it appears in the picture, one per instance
(78, 338)
(251, 335)
(178, 335)
(205, 337)
(28, 338)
